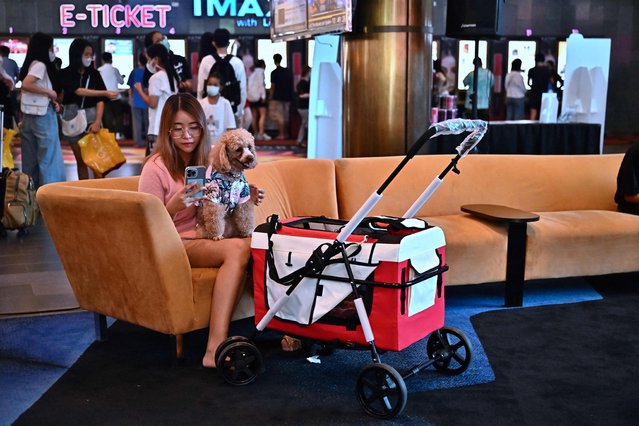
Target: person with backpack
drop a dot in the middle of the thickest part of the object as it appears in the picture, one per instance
(231, 70)
(162, 84)
(217, 109)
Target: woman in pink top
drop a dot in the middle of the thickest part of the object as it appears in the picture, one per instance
(183, 141)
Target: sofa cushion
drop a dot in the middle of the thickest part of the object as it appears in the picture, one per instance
(578, 243)
(526, 182)
(295, 188)
(475, 249)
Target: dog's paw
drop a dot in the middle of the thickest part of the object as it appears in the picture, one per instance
(217, 237)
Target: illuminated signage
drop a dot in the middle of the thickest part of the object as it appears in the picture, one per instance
(229, 8)
(118, 15)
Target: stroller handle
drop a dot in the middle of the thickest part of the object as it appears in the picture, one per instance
(455, 126)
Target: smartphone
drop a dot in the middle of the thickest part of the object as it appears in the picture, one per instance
(195, 174)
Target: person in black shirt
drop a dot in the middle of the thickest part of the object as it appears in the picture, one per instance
(83, 88)
(281, 95)
(538, 80)
(303, 93)
(180, 63)
(627, 195)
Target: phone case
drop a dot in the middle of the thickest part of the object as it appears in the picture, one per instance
(195, 174)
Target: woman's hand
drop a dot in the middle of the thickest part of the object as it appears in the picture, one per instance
(112, 94)
(184, 198)
(52, 95)
(95, 127)
(257, 194)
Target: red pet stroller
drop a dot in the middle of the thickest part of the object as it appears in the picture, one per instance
(334, 282)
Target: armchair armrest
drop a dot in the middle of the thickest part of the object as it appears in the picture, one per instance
(121, 253)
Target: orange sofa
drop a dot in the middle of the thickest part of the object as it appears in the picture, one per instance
(124, 258)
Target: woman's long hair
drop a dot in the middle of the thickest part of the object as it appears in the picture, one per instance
(164, 145)
(76, 50)
(160, 52)
(39, 46)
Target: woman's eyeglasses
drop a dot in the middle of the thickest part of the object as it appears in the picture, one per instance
(180, 132)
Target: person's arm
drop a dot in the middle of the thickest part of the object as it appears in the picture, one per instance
(154, 180)
(632, 198)
(30, 85)
(229, 118)
(240, 73)
(99, 112)
(93, 93)
(118, 76)
(151, 101)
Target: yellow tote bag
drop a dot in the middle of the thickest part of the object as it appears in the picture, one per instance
(101, 152)
(7, 157)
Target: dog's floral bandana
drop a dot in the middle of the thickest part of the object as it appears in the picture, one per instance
(229, 190)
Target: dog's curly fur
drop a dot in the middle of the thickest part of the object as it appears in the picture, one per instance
(232, 154)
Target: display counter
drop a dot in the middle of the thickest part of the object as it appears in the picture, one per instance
(526, 137)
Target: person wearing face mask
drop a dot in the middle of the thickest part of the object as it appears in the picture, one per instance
(180, 64)
(162, 84)
(83, 88)
(41, 151)
(217, 110)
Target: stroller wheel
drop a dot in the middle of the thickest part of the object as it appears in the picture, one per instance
(240, 363)
(381, 391)
(450, 349)
(227, 342)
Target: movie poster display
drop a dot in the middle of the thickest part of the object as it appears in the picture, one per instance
(17, 48)
(123, 55)
(293, 19)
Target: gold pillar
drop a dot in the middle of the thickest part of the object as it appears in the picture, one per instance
(387, 76)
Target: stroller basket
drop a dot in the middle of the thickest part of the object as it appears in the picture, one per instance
(400, 278)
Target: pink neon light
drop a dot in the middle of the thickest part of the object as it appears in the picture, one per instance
(118, 15)
(528, 32)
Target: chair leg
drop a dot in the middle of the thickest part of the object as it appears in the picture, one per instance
(100, 324)
(176, 349)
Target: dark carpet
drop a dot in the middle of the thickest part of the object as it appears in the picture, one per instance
(562, 364)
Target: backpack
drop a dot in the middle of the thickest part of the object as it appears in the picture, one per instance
(20, 206)
(230, 85)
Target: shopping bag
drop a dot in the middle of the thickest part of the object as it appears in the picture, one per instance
(101, 152)
(7, 157)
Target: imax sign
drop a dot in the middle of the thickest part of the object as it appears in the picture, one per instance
(230, 9)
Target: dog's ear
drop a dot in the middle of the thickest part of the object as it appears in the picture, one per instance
(219, 157)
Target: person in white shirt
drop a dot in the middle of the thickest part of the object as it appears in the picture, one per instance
(221, 39)
(113, 109)
(41, 151)
(162, 84)
(217, 110)
(515, 92)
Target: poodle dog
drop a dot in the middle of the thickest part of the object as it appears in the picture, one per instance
(226, 210)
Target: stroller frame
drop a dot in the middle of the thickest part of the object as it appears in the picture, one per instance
(380, 388)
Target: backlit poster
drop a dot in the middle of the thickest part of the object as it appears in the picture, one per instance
(61, 49)
(123, 55)
(265, 50)
(466, 56)
(17, 48)
(524, 50)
